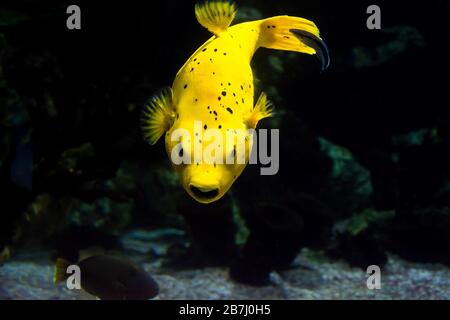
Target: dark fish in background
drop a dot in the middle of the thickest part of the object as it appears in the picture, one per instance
(111, 278)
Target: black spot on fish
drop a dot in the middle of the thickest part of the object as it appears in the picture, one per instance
(268, 27)
(205, 127)
(204, 50)
(208, 107)
(221, 84)
(215, 112)
(229, 83)
(249, 85)
(237, 103)
(220, 127)
(274, 27)
(229, 110)
(234, 94)
(224, 93)
(185, 86)
(196, 134)
(218, 98)
(215, 50)
(214, 164)
(224, 53)
(214, 73)
(215, 119)
(210, 112)
(195, 59)
(196, 99)
(192, 69)
(242, 87)
(198, 62)
(243, 100)
(286, 37)
(178, 115)
(210, 59)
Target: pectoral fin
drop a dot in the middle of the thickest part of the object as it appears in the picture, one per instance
(263, 109)
(158, 116)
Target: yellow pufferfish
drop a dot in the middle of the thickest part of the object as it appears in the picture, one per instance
(214, 90)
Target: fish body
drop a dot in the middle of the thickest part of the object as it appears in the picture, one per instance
(110, 278)
(214, 90)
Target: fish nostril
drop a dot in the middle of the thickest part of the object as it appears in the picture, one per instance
(209, 194)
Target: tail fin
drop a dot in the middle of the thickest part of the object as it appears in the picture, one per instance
(293, 34)
(60, 270)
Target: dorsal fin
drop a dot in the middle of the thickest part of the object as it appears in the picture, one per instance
(216, 16)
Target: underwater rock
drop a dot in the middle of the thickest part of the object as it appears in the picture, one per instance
(72, 159)
(104, 214)
(48, 217)
(155, 242)
(349, 185)
(158, 194)
(43, 217)
(360, 250)
(274, 242)
(212, 231)
(420, 230)
(422, 235)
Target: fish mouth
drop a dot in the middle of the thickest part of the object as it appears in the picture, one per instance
(203, 193)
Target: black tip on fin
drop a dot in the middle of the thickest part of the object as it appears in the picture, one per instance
(317, 44)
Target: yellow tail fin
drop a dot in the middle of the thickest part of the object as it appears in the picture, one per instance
(216, 16)
(293, 34)
(60, 274)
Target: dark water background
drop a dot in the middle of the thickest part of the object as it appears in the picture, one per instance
(364, 146)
